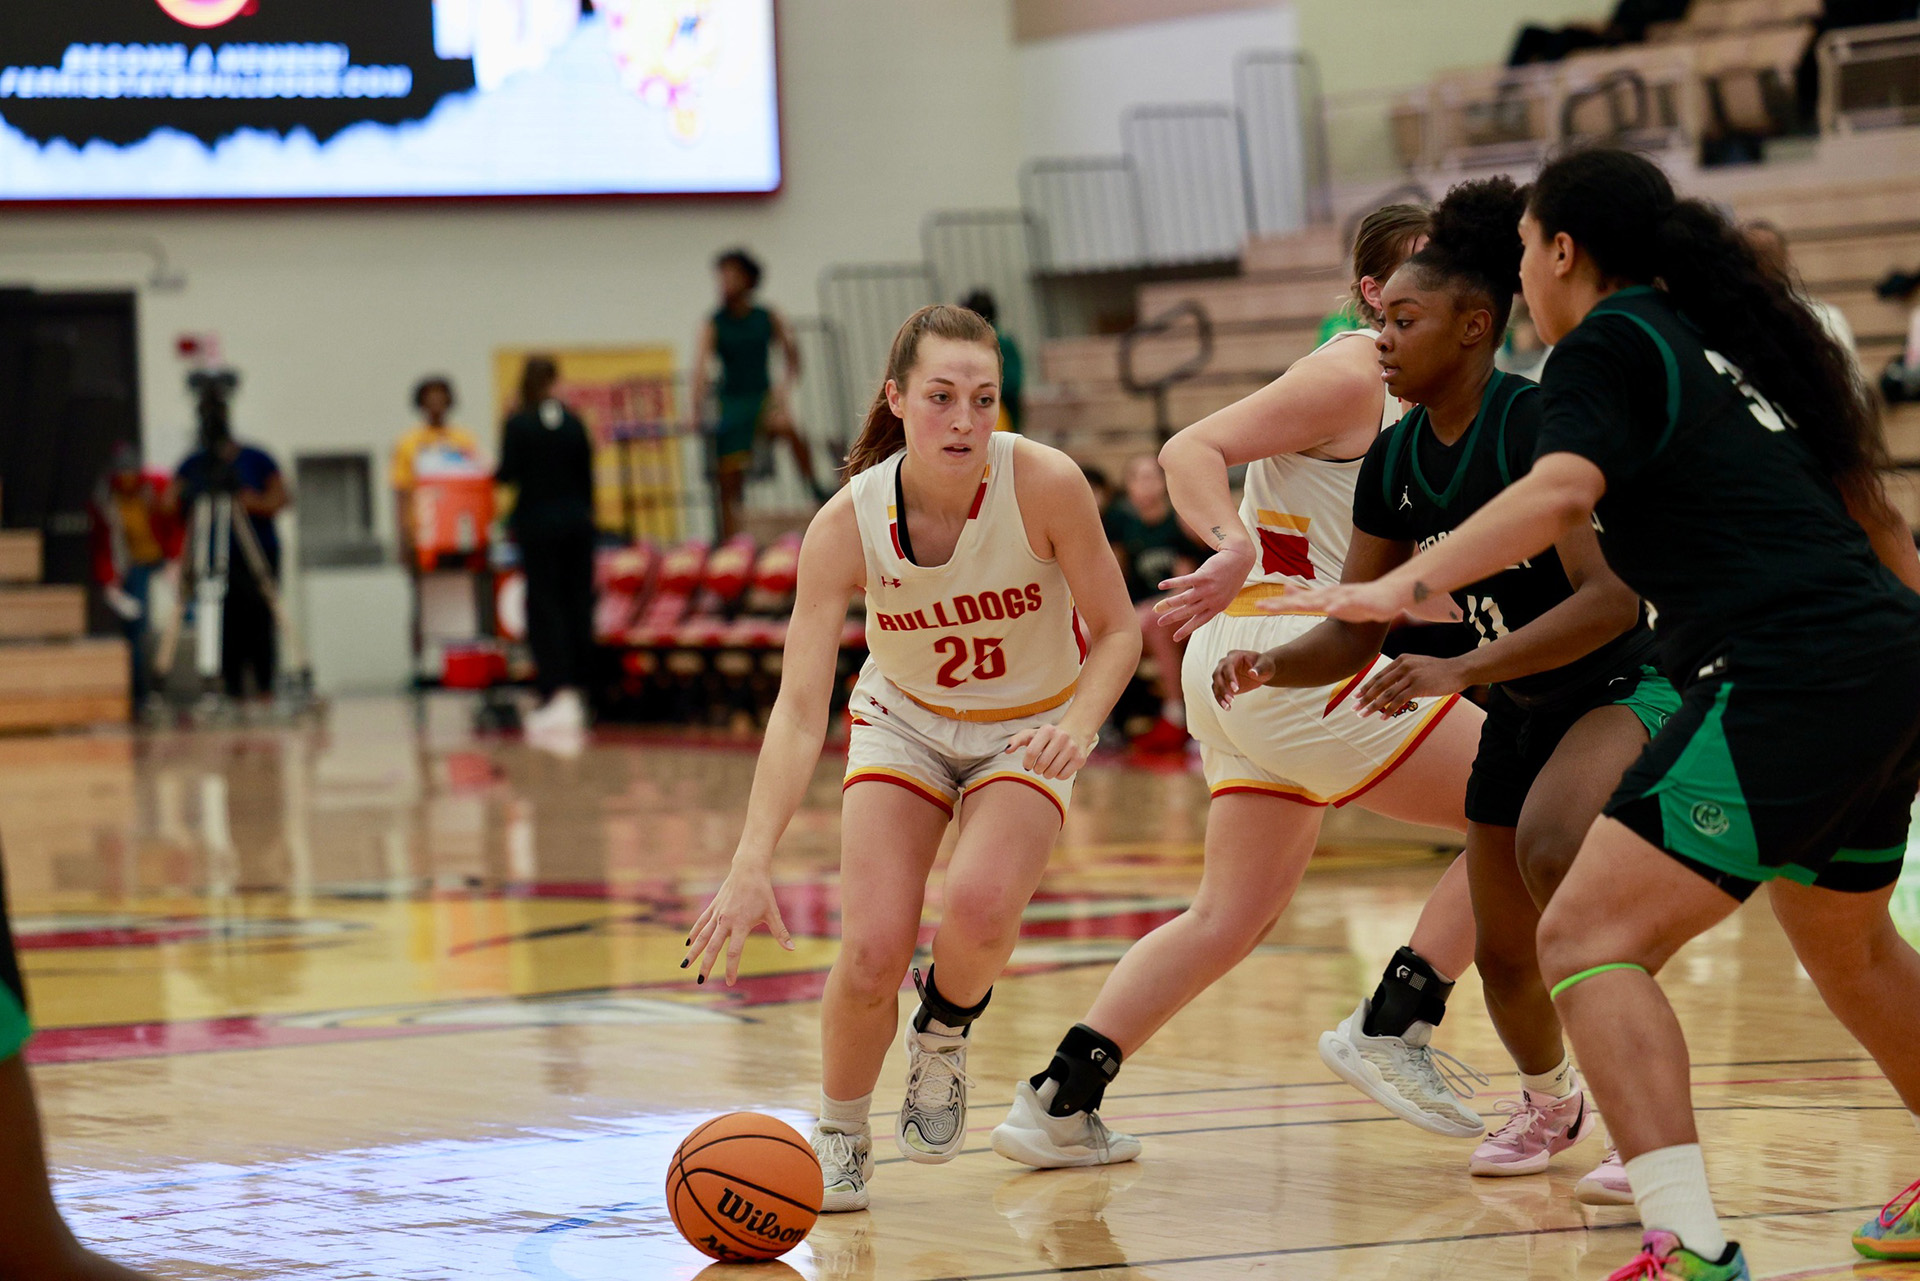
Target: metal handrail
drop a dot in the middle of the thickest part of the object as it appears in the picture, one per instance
(1603, 88)
(1160, 387)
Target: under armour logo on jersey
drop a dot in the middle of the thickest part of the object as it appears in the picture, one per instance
(889, 582)
(1406, 500)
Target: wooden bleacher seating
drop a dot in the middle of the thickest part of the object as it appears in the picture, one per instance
(51, 675)
(1263, 319)
(1845, 238)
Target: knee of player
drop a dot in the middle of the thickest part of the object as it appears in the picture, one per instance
(979, 912)
(1571, 939)
(1839, 959)
(871, 973)
(1505, 959)
(1233, 924)
(1545, 849)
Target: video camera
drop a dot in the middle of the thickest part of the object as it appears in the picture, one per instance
(213, 391)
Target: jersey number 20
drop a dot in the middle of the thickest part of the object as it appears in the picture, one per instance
(989, 660)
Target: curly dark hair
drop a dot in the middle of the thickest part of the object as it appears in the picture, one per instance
(1621, 211)
(1474, 244)
(749, 265)
(427, 384)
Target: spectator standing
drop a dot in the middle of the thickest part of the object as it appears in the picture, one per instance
(434, 444)
(434, 441)
(133, 538)
(249, 635)
(547, 457)
(739, 339)
(1152, 546)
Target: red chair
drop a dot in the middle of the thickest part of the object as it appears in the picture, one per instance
(729, 571)
(769, 599)
(681, 572)
(625, 578)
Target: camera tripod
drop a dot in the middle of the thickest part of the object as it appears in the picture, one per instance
(213, 532)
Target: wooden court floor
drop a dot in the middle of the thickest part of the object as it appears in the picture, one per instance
(380, 1000)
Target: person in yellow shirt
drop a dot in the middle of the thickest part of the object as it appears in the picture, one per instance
(435, 437)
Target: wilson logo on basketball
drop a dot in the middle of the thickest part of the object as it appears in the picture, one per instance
(762, 1223)
(206, 13)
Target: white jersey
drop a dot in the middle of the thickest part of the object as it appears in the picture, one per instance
(989, 636)
(1300, 512)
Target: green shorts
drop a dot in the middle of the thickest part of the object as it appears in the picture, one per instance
(1517, 740)
(14, 1028)
(739, 425)
(1757, 778)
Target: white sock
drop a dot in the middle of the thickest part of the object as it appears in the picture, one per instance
(1670, 1191)
(847, 1116)
(1558, 1082)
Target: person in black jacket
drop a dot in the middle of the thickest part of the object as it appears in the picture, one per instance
(546, 455)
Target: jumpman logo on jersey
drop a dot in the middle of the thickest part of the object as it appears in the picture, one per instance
(1406, 499)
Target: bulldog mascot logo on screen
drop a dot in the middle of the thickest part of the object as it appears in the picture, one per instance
(206, 13)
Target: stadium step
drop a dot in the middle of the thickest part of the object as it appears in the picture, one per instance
(57, 684)
(20, 555)
(42, 613)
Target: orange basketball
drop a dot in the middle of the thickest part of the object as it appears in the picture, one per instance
(744, 1186)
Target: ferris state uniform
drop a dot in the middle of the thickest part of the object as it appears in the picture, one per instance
(1796, 750)
(1415, 489)
(961, 657)
(14, 1027)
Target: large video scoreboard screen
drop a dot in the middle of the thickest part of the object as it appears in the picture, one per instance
(275, 99)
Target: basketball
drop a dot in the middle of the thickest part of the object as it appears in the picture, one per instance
(744, 1186)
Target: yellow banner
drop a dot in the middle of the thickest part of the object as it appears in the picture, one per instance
(629, 399)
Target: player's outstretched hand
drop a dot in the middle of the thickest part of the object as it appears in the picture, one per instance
(1410, 676)
(1051, 751)
(744, 901)
(1379, 601)
(1195, 598)
(1240, 671)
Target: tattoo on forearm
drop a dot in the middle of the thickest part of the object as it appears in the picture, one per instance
(1420, 592)
(1219, 538)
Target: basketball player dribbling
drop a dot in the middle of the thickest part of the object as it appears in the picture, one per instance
(1000, 635)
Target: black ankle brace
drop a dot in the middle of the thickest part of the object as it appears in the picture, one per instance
(1083, 1065)
(1411, 991)
(935, 1008)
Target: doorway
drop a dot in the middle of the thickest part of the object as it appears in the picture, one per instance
(69, 393)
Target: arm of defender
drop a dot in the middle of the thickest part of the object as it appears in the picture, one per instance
(1333, 650)
(1526, 518)
(1886, 530)
(1601, 608)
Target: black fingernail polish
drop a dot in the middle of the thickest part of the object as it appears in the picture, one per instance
(685, 963)
(701, 979)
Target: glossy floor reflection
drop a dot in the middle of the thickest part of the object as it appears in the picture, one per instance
(383, 1000)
